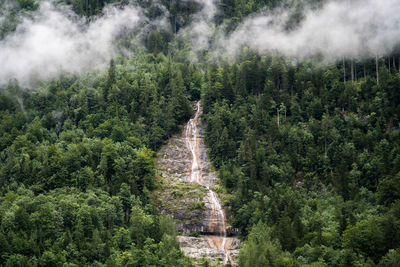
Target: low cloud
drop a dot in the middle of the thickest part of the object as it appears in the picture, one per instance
(53, 40)
(202, 28)
(358, 28)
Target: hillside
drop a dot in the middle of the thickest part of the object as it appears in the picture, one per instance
(199, 133)
(189, 195)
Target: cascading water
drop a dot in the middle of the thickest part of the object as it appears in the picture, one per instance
(192, 144)
(218, 208)
(218, 223)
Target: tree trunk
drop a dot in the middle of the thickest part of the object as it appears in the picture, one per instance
(377, 69)
(277, 111)
(344, 71)
(352, 70)
(291, 92)
(365, 73)
(355, 72)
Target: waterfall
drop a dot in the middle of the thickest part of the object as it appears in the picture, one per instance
(217, 213)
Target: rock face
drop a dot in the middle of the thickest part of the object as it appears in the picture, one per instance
(188, 194)
(204, 247)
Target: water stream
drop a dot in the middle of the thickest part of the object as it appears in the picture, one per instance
(218, 224)
(193, 145)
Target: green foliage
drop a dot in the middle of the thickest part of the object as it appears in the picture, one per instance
(67, 226)
(261, 250)
(312, 161)
(77, 166)
(366, 237)
(88, 8)
(27, 4)
(388, 189)
(309, 155)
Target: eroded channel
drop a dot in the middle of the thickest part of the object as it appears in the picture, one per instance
(217, 223)
(189, 195)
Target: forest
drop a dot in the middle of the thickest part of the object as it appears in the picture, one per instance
(307, 150)
(312, 162)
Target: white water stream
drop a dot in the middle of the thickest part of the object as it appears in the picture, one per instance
(192, 142)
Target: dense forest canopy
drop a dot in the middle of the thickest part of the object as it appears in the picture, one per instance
(307, 147)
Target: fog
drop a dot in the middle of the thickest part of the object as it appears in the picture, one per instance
(202, 28)
(53, 39)
(358, 28)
